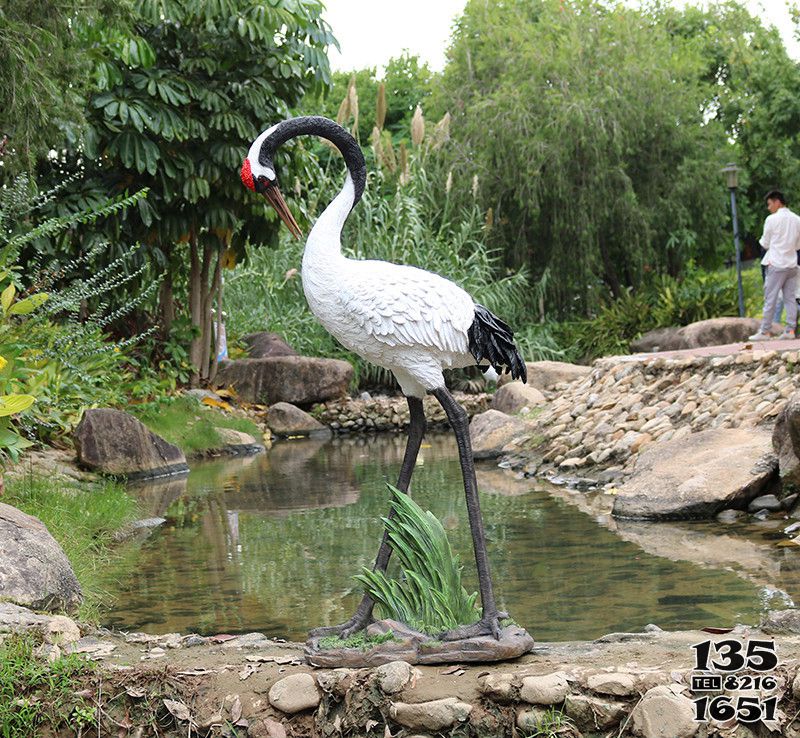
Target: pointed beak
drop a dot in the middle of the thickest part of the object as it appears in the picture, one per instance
(273, 195)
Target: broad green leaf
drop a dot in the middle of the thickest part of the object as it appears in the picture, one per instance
(7, 297)
(12, 404)
(29, 304)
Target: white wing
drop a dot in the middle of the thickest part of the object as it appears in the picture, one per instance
(405, 306)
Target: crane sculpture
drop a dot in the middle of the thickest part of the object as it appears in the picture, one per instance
(404, 319)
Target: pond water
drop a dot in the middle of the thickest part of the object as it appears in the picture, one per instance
(270, 542)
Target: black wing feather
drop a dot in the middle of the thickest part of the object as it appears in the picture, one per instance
(492, 339)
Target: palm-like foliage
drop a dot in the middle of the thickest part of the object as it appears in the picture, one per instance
(428, 595)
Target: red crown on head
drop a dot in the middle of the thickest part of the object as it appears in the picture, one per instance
(247, 175)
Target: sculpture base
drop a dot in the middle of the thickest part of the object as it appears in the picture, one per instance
(419, 648)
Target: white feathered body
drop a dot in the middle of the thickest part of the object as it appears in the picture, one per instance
(402, 318)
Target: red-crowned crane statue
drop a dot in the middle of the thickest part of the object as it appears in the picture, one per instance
(404, 319)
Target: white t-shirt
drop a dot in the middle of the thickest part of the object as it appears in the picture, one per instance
(781, 239)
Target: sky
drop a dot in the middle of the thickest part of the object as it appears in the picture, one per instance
(370, 32)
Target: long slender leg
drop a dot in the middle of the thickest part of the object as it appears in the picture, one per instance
(489, 622)
(363, 614)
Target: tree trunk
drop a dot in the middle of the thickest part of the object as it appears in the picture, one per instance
(166, 297)
(195, 310)
(218, 328)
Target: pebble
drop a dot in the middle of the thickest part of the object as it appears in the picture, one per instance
(294, 693)
(548, 689)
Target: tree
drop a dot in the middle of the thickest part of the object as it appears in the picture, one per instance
(179, 101)
(45, 73)
(584, 123)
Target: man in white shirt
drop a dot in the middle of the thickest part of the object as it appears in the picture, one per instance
(781, 239)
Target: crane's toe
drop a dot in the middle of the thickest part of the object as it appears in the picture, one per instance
(354, 625)
(488, 625)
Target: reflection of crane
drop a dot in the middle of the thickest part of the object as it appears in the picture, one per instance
(404, 319)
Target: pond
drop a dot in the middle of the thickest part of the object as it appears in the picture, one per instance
(270, 543)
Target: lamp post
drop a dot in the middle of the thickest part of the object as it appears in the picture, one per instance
(731, 172)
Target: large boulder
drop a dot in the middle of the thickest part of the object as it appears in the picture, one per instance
(711, 332)
(698, 475)
(492, 430)
(544, 375)
(263, 344)
(284, 419)
(786, 442)
(34, 572)
(299, 380)
(114, 442)
(514, 397)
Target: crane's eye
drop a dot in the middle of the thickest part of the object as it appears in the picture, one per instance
(262, 183)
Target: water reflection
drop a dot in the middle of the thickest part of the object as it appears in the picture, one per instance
(271, 542)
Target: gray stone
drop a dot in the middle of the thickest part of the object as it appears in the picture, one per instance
(299, 380)
(530, 720)
(34, 571)
(114, 442)
(593, 713)
(513, 397)
(394, 676)
(712, 332)
(294, 693)
(765, 502)
(56, 629)
(547, 689)
(781, 622)
(492, 430)
(786, 442)
(796, 686)
(264, 344)
(499, 687)
(544, 375)
(238, 442)
(729, 515)
(433, 715)
(696, 476)
(284, 419)
(618, 684)
(139, 529)
(664, 712)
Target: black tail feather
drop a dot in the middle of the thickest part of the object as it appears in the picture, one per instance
(492, 339)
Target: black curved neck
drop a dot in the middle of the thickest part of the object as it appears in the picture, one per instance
(316, 125)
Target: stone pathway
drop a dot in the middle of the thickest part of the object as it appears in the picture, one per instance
(727, 349)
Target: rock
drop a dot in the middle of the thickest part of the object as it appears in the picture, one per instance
(238, 442)
(498, 687)
(262, 345)
(530, 721)
(544, 375)
(796, 686)
(697, 476)
(56, 629)
(300, 380)
(618, 684)
(664, 712)
(114, 442)
(729, 516)
(659, 339)
(138, 529)
(394, 676)
(284, 419)
(492, 430)
(765, 502)
(786, 442)
(433, 715)
(593, 713)
(548, 689)
(514, 396)
(294, 693)
(264, 728)
(34, 572)
(712, 332)
(781, 622)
